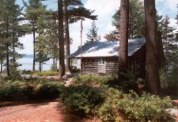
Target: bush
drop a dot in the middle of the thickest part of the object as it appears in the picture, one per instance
(92, 80)
(26, 72)
(46, 73)
(108, 110)
(82, 100)
(49, 91)
(29, 90)
(11, 92)
(169, 83)
(131, 107)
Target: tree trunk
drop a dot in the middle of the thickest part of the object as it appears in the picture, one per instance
(40, 66)
(152, 66)
(7, 49)
(34, 41)
(61, 39)
(160, 51)
(67, 38)
(13, 48)
(124, 23)
(1, 65)
(54, 65)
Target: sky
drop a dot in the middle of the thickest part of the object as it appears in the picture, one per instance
(105, 10)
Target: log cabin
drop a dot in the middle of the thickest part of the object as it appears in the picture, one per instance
(101, 57)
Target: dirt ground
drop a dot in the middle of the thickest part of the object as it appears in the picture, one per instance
(38, 112)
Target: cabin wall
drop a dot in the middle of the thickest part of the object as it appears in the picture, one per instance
(91, 65)
(136, 61)
(112, 66)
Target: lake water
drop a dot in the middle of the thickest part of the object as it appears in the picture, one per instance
(27, 63)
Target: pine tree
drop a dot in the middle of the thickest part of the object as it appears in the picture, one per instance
(15, 34)
(67, 36)
(152, 64)
(92, 33)
(61, 39)
(41, 50)
(9, 26)
(123, 29)
(71, 16)
(136, 21)
(34, 9)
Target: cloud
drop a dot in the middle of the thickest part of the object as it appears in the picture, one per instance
(167, 7)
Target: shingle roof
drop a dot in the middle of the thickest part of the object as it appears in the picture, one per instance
(107, 48)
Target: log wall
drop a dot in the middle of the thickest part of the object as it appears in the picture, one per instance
(90, 65)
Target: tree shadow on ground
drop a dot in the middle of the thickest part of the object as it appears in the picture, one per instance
(69, 117)
(34, 103)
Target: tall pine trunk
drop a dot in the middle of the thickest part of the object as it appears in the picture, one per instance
(34, 41)
(13, 48)
(67, 37)
(124, 23)
(7, 48)
(40, 66)
(61, 39)
(152, 66)
(1, 65)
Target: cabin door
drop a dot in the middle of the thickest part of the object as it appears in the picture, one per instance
(102, 66)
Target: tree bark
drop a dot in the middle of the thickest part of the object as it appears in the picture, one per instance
(67, 38)
(152, 66)
(13, 46)
(7, 48)
(160, 51)
(34, 41)
(124, 23)
(1, 65)
(40, 66)
(61, 39)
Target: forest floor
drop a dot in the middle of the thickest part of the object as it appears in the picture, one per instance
(38, 112)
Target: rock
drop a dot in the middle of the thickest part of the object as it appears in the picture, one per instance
(69, 82)
(69, 75)
(172, 111)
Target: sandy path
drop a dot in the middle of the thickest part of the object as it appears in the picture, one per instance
(39, 112)
(42, 112)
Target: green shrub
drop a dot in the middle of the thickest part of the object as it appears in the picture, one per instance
(26, 72)
(48, 91)
(12, 91)
(46, 73)
(108, 110)
(82, 100)
(131, 107)
(169, 82)
(29, 90)
(92, 80)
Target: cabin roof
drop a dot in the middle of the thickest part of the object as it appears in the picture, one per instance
(107, 48)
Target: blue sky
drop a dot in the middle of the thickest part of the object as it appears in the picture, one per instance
(105, 10)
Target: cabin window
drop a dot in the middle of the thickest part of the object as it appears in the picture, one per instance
(102, 61)
(102, 66)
